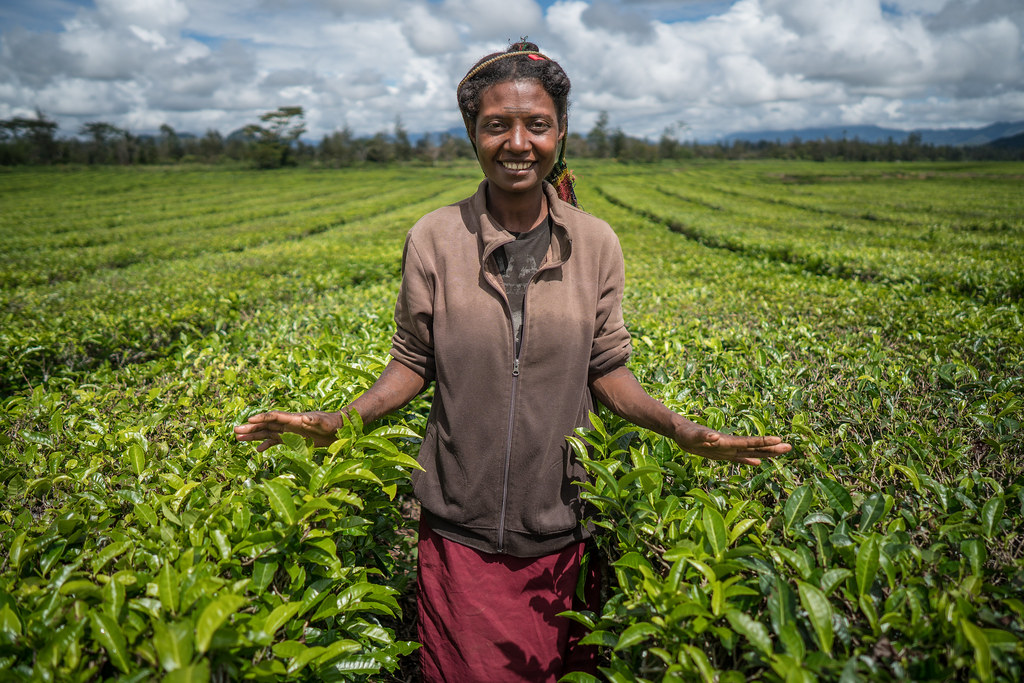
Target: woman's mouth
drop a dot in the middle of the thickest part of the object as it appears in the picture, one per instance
(516, 165)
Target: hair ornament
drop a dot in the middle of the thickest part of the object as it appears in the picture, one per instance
(533, 54)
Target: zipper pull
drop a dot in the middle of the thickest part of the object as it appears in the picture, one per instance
(515, 367)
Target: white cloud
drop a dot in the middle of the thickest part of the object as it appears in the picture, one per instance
(145, 13)
(489, 20)
(428, 33)
(200, 64)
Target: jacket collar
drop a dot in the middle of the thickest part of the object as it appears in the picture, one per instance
(492, 236)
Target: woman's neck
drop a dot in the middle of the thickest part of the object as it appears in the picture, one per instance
(517, 212)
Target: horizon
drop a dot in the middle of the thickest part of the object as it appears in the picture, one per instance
(698, 70)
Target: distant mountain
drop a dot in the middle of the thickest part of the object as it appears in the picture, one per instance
(1011, 142)
(933, 136)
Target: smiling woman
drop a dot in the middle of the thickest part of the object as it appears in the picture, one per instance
(511, 304)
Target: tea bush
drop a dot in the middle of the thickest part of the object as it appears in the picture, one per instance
(869, 313)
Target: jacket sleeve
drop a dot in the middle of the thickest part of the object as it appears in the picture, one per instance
(413, 342)
(611, 347)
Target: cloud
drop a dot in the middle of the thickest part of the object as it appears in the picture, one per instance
(427, 33)
(719, 66)
(145, 13)
(602, 14)
(488, 20)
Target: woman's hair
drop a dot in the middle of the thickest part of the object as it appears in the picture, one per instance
(522, 61)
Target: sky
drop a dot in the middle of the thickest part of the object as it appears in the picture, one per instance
(696, 69)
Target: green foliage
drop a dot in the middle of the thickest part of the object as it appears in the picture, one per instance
(272, 142)
(146, 312)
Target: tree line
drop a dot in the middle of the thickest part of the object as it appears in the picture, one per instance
(276, 141)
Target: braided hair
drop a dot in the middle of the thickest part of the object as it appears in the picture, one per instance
(522, 61)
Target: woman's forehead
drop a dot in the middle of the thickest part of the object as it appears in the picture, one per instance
(520, 94)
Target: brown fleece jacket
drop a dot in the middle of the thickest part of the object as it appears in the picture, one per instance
(498, 471)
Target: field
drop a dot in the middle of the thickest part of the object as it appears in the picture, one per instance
(869, 313)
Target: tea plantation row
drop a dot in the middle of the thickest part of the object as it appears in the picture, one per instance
(869, 313)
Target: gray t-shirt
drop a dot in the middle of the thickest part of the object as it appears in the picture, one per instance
(518, 262)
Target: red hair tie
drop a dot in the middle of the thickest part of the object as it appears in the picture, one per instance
(536, 58)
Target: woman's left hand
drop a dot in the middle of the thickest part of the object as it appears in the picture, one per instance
(623, 394)
(746, 450)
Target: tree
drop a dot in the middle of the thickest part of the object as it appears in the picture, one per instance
(403, 148)
(211, 146)
(597, 138)
(108, 142)
(28, 141)
(272, 143)
(170, 147)
(337, 149)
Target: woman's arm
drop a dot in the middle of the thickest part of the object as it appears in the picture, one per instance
(620, 391)
(396, 386)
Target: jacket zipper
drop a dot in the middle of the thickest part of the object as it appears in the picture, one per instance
(508, 448)
(512, 404)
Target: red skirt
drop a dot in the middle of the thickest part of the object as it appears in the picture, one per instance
(488, 618)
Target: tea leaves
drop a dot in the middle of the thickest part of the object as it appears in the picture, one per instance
(869, 313)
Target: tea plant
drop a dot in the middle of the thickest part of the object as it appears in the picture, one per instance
(869, 313)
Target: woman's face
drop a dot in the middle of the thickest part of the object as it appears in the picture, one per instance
(517, 134)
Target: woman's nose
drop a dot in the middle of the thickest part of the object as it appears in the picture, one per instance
(518, 139)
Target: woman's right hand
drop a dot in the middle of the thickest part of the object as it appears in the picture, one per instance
(317, 425)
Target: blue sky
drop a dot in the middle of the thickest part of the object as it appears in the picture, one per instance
(703, 69)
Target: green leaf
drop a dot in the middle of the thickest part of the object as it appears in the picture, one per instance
(741, 527)
(338, 648)
(288, 649)
(867, 564)
(579, 677)
(356, 665)
(263, 571)
(280, 501)
(213, 617)
(833, 577)
(781, 605)
(197, 673)
(585, 618)
(797, 505)
(109, 553)
(605, 475)
(836, 494)
(910, 474)
(109, 635)
(280, 615)
(752, 630)
(637, 472)
(299, 661)
(819, 611)
(632, 560)
(714, 529)
(173, 642)
(871, 511)
(974, 550)
(991, 515)
(867, 607)
(113, 598)
(637, 633)
(700, 660)
(603, 638)
(137, 458)
(10, 625)
(982, 650)
(792, 641)
(146, 514)
(167, 587)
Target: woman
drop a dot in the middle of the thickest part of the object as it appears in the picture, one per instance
(511, 303)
